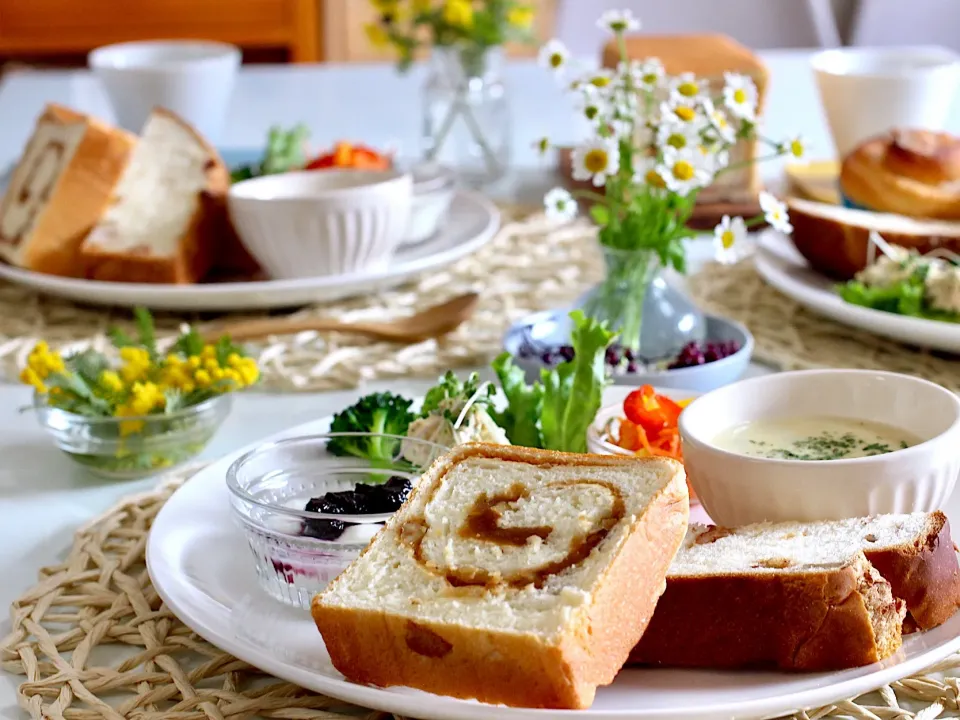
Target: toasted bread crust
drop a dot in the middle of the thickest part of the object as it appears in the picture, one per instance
(839, 250)
(803, 621)
(511, 668)
(926, 575)
(198, 245)
(78, 197)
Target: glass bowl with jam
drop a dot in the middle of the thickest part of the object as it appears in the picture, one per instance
(308, 505)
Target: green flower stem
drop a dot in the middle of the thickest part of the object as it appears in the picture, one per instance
(619, 298)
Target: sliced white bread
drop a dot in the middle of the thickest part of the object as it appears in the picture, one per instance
(803, 596)
(168, 212)
(835, 239)
(59, 189)
(510, 575)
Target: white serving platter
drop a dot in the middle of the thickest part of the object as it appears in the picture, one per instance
(199, 564)
(472, 223)
(780, 264)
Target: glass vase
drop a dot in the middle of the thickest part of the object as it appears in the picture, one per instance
(466, 122)
(654, 319)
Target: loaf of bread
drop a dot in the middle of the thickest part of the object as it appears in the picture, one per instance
(511, 575)
(834, 240)
(907, 172)
(782, 600)
(168, 212)
(707, 56)
(59, 189)
(803, 596)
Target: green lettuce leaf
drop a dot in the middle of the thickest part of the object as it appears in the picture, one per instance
(903, 298)
(520, 419)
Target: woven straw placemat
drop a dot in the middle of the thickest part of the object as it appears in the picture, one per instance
(93, 640)
(791, 338)
(530, 265)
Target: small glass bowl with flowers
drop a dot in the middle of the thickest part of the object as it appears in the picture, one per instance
(149, 411)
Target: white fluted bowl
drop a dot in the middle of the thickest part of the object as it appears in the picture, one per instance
(737, 489)
(311, 224)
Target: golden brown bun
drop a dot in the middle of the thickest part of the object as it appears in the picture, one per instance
(834, 240)
(198, 245)
(907, 172)
(76, 200)
(459, 659)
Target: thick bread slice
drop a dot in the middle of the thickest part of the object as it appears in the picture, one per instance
(510, 575)
(734, 578)
(168, 213)
(835, 239)
(59, 189)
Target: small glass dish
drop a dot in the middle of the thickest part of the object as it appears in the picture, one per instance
(271, 485)
(129, 448)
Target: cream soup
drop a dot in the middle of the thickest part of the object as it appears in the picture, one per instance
(813, 438)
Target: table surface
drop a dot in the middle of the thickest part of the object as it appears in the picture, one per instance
(43, 498)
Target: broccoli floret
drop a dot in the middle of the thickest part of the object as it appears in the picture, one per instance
(380, 413)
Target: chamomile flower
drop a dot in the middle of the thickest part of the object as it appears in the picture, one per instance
(601, 79)
(715, 158)
(618, 22)
(651, 74)
(677, 135)
(679, 112)
(542, 145)
(593, 107)
(684, 170)
(775, 213)
(740, 96)
(687, 87)
(596, 160)
(795, 146)
(554, 56)
(560, 205)
(727, 236)
(720, 126)
(647, 173)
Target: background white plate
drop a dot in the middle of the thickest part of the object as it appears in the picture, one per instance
(779, 263)
(472, 223)
(201, 568)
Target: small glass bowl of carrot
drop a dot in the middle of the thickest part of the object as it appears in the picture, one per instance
(647, 427)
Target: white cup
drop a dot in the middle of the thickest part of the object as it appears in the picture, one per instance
(193, 79)
(868, 91)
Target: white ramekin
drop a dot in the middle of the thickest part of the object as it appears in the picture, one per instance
(310, 224)
(736, 489)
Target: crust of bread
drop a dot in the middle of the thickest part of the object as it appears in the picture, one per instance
(198, 246)
(905, 174)
(79, 197)
(511, 668)
(798, 621)
(925, 574)
(839, 249)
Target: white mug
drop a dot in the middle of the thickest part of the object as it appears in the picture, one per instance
(868, 91)
(193, 79)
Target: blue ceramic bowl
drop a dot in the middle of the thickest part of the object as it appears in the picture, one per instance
(553, 328)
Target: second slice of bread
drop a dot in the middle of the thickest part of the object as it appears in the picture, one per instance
(511, 576)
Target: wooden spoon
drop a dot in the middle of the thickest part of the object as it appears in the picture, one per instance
(429, 323)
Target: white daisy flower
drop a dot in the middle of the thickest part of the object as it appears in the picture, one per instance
(719, 123)
(651, 74)
(594, 107)
(775, 213)
(602, 79)
(618, 22)
(677, 135)
(542, 145)
(646, 172)
(715, 158)
(596, 160)
(554, 56)
(687, 87)
(795, 146)
(730, 233)
(676, 112)
(685, 170)
(560, 205)
(740, 96)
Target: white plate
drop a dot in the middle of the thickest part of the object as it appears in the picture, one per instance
(472, 223)
(202, 571)
(779, 263)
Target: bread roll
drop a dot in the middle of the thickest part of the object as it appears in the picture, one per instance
(907, 172)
